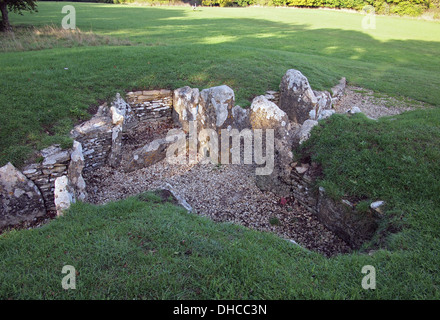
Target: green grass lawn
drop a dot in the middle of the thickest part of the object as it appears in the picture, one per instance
(134, 249)
(248, 49)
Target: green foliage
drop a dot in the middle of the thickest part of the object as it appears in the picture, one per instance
(18, 6)
(410, 7)
(274, 221)
(399, 7)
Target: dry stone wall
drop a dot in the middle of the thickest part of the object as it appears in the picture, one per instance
(151, 105)
(50, 185)
(54, 164)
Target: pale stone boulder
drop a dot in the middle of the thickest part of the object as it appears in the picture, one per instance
(297, 98)
(122, 113)
(324, 104)
(147, 155)
(63, 195)
(215, 107)
(20, 199)
(266, 115)
(185, 106)
(75, 169)
(304, 132)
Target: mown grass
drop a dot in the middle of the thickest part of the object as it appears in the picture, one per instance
(48, 37)
(137, 249)
(248, 49)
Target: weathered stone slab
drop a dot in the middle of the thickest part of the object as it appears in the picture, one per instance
(304, 132)
(215, 107)
(149, 154)
(63, 195)
(241, 118)
(339, 89)
(76, 167)
(297, 98)
(266, 115)
(185, 106)
(343, 219)
(20, 199)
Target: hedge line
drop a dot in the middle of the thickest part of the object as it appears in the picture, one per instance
(400, 7)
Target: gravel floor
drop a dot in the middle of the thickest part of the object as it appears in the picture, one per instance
(223, 193)
(374, 105)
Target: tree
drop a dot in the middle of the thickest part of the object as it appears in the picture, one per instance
(16, 6)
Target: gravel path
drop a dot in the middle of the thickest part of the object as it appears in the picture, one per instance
(374, 105)
(223, 193)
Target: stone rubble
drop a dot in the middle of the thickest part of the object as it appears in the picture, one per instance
(20, 199)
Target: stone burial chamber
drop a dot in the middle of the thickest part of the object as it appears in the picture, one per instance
(132, 134)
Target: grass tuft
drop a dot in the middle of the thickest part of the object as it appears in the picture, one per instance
(28, 38)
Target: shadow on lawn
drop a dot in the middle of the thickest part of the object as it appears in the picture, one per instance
(250, 55)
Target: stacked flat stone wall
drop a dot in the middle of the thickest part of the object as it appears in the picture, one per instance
(151, 105)
(54, 164)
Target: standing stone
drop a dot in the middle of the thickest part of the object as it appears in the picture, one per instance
(241, 118)
(297, 98)
(215, 108)
(214, 114)
(121, 112)
(115, 155)
(20, 199)
(185, 106)
(76, 167)
(63, 195)
(265, 115)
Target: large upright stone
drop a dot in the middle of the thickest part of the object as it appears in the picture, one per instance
(185, 106)
(115, 156)
(63, 194)
(265, 115)
(297, 98)
(95, 136)
(303, 134)
(241, 118)
(20, 199)
(76, 167)
(215, 107)
(122, 113)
